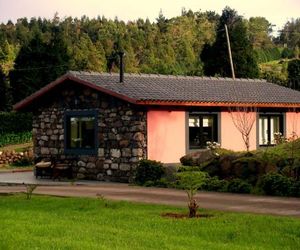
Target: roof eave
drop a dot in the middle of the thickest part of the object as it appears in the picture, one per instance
(217, 104)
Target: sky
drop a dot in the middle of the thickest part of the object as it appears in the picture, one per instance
(277, 12)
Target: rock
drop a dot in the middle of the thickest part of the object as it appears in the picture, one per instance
(45, 138)
(124, 143)
(126, 152)
(115, 166)
(101, 152)
(82, 170)
(45, 151)
(61, 137)
(109, 172)
(54, 137)
(116, 153)
(134, 159)
(137, 152)
(49, 132)
(81, 164)
(197, 158)
(106, 166)
(138, 136)
(53, 151)
(100, 177)
(91, 165)
(80, 176)
(124, 167)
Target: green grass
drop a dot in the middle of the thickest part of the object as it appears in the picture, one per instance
(83, 223)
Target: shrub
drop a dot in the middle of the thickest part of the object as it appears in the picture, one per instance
(239, 186)
(188, 168)
(148, 170)
(275, 184)
(214, 184)
(23, 162)
(295, 189)
(14, 138)
(191, 182)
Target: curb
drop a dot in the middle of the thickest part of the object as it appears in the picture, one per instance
(16, 171)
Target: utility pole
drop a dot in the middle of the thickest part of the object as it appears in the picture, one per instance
(229, 51)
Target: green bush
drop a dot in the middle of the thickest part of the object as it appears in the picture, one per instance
(214, 184)
(239, 186)
(275, 184)
(188, 168)
(295, 189)
(12, 122)
(148, 171)
(15, 138)
(23, 162)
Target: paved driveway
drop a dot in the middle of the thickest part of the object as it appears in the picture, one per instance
(118, 191)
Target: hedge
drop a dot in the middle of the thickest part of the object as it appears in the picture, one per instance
(14, 122)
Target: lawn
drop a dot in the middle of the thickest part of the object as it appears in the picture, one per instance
(85, 223)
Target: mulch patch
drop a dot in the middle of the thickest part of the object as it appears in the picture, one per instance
(184, 216)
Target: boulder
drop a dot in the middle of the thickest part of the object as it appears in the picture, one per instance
(198, 157)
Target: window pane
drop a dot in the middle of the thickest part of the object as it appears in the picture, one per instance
(202, 128)
(263, 130)
(81, 132)
(274, 127)
(208, 129)
(194, 131)
(268, 125)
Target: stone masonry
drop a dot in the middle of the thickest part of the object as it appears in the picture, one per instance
(122, 134)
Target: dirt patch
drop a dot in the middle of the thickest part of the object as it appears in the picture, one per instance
(184, 216)
(17, 147)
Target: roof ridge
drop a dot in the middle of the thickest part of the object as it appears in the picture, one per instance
(72, 72)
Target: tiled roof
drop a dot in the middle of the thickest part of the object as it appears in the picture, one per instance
(144, 87)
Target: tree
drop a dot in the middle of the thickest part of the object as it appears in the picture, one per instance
(243, 119)
(294, 74)
(215, 57)
(191, 182)
(39, 63)
(260, 32)
(290, 34)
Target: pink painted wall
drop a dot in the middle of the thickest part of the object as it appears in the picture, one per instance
(292, 124)
(231, 138)
(166, 135)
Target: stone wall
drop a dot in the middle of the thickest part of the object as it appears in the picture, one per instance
(122, 134)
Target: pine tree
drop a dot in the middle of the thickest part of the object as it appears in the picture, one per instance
(215, 57)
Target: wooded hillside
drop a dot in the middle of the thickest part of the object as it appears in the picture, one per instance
(34, 52)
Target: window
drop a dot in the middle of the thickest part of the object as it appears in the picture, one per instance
(268, 126)
(202, 128)
(81, 132)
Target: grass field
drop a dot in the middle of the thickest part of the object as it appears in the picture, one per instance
(82, 223)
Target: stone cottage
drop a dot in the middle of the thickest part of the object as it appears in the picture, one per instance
(103, 124)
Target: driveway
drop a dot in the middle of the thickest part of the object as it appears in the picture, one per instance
(12, 182)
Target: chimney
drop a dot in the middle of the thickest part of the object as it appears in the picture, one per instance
(121, 54)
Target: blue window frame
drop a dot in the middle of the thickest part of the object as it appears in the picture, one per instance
(81, 132)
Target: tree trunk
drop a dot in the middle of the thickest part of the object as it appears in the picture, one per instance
(193, 208)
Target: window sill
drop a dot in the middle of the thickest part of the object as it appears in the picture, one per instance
(80, 151)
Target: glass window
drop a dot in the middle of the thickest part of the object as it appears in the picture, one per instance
(202, 128)
(268, 126)
(80, 132)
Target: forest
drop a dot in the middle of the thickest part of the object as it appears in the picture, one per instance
(35, 52)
